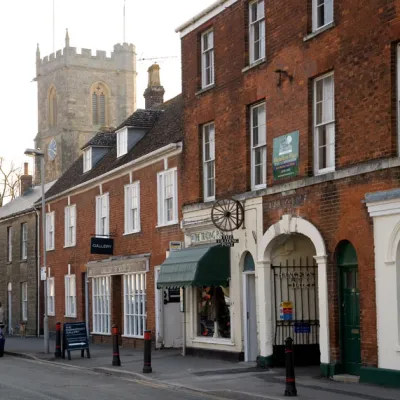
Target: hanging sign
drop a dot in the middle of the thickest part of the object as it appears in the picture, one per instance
(100, 245)
(174, 246)
(286, 311)
(286, 155)
(227, 240)
(43, 275)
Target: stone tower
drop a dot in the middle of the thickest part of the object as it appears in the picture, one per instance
(78, 94)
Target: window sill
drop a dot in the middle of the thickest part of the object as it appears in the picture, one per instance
(50, 249)
(99, 333)
(24, 261)
(324, 28)
(51, 314)
(131, 233)
(132, 337)
(9, 262)
(205, 89)
(209, 200)
(168, 224)
(212, 340)
(254, 64)
(325, 171)
(69, 316)
(258, 187)
(69, 245)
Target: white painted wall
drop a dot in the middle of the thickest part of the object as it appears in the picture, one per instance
(197, 220)
(386, 215)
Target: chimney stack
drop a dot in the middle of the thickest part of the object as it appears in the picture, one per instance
(25, 181)
(154, 93)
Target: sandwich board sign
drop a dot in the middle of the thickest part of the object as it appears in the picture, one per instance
(75, 338)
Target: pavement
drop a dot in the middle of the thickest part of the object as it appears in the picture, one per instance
(223, 379)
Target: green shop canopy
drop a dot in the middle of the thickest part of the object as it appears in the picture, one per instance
(196, 266)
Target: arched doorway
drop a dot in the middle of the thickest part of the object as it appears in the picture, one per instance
(249, 309)
(349, 307)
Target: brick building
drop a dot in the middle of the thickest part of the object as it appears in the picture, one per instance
(19, 259)
(124, 190)
(293, 108)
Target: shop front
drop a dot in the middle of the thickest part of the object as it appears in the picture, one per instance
(218, 285)
(118, 296)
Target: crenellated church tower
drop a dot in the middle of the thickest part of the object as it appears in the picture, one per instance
(79, 94)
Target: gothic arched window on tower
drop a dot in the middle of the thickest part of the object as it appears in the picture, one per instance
(99, 105)
(52, 107)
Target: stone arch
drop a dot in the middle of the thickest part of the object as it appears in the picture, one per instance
(243, 257)
(100, 103)
(393, 245)
(289, 225)
(52, 106)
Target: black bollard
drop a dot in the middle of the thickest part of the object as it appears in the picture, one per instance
(147, 353)
(289, 362)
(116, 361)
(57, 353)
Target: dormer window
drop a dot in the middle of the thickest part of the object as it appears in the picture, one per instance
(87, 159)
(122, 142)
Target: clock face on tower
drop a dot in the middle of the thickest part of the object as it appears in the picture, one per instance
(52, 150)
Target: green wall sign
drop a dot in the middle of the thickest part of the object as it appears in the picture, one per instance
(286, 155)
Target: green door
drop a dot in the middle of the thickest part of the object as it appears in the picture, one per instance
(350, 309)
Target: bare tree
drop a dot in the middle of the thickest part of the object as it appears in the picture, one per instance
(9, 181)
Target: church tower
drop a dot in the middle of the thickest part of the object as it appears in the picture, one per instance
(78, 95)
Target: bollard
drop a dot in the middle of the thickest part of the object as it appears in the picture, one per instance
(57, 354)
(116, 360)
(147, 353)
(289, 362)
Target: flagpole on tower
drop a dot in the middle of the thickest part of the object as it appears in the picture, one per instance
(124, 33)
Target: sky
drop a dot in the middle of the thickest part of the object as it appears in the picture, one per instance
(92, 24)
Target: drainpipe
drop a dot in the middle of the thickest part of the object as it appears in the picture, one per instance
(38, 270)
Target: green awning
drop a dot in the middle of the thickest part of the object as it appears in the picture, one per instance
(196, 266)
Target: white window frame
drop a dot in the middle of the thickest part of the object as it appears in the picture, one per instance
(135, 305)
(51, 298)
(70, 226)
(103, 215)
(50, 231)
(328, 7)
(101, 305)
(260, 23)
(207, 51)
(261, 145)
(24, 241)
(208, 160)
(122, 142)
(398, 100)
(161, 197)
(87, 160)
(9, 243)
(70, 296)
(330, 123)
(24, 301)
(132, 207)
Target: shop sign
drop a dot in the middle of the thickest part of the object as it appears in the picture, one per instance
(117, 269)
(174, 246)
(227, 240)
(299, 280)
(302, 327)
(286, 311)
(286, 155)
(75, 338)
(207, 236)
(43, 275)
(101, 245)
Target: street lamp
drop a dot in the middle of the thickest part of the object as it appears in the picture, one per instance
(39, 153)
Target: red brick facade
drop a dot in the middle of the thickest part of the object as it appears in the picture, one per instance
(151, 240)
(360, 50)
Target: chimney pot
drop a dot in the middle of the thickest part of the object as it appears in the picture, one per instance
(154, 93)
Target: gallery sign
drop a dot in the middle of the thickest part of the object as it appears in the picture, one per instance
(205, 237)
(285, 161)
(101, 245)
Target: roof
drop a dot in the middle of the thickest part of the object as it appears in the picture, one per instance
(102, 139)
(142, 118)
(167, 128)
(25, 202)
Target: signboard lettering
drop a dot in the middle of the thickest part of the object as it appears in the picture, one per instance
(227, 240)
(101, 246)
(75, 338)
(286, 155)
(174, 246)
(110, 269)
(302, 327)
(206, 236)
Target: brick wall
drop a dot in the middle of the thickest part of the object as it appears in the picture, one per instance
(362, 56)
(151, 240)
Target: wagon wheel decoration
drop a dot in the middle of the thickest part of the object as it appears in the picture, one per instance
(227, 215)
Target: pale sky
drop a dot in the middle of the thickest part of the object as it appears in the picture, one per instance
(92, 24)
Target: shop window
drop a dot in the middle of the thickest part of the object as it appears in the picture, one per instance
(135, 305)
(214, 312)
(101, 304)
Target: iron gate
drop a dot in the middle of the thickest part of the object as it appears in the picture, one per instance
(295, 286)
